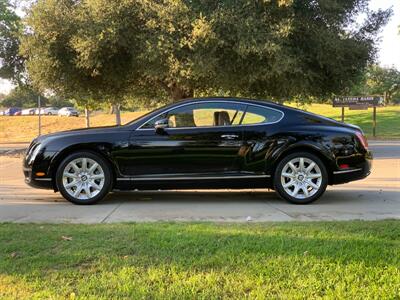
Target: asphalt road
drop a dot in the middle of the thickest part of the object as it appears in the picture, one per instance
(377, 197)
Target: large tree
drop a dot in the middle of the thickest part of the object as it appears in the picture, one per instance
(11, 62)
(100, 49)
(82, 50)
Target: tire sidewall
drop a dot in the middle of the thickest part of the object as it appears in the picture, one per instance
(278, 184)
(107, 177)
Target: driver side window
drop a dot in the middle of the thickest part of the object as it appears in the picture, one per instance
(208, 114)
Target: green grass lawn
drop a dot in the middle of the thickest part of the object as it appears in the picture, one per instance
(388, 118)
(336, 260)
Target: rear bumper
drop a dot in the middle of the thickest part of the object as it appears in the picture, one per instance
(360, 171)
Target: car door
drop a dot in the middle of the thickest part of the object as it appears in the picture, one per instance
(261, 127)
(198, 139)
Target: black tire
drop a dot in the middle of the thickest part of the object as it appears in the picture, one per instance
(108, 177)
(280, 190)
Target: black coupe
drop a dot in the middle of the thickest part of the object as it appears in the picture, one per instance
(203, 143)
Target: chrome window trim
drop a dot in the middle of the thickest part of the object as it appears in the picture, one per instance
(190, 178)
(347, 171)
(213, 101)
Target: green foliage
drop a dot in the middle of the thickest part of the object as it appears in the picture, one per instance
(378, 80)
(174, 49)
(86, 103)
(23, 96)
(58, 101)
(11, 63)
(330, 260)
(78, 50)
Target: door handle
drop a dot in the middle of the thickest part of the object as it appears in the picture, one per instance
(229, 136)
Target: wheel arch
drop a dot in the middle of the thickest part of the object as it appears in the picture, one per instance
(309, 148)
(79, 148)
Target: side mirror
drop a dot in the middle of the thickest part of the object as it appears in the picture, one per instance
(160, 125)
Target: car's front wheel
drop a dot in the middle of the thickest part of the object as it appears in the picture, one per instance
(300, 178)
(84, 178)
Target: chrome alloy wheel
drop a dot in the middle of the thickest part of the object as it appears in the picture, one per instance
(83, 178)
(301, 178)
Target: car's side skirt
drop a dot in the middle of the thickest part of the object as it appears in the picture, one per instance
(194, 182)
(150, 178)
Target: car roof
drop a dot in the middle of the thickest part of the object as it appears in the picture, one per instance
(236, 99)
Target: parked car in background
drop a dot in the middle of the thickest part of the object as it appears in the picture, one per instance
(12, 111)
(68, 112)
(28, 111)
(47, 111)
(203, 144)
(50, 111)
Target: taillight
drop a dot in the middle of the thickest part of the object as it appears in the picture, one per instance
(362, 139)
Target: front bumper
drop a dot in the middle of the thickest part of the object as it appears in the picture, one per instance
(41, 183)
(40, 164)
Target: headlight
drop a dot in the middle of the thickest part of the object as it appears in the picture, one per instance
(34, 152)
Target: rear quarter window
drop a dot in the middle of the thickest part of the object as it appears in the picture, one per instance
(261, 115)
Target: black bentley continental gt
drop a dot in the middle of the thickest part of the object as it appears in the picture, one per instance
(204, 143)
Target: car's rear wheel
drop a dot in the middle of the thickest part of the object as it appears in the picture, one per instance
(300, 178)
(84, 178)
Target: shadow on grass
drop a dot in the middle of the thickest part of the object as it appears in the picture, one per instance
(203, 247)
(200, 260)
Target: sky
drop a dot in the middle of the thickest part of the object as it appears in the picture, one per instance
(389, 45)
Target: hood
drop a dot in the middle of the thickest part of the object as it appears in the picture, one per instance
(78, 132)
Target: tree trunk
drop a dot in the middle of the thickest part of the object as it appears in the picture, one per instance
(178, 93)
(87, 117)
(112, 109)
(118, 114)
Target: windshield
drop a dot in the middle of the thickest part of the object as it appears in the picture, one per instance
(138, 119)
